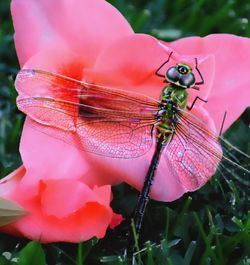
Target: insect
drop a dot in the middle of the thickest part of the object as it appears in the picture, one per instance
(124, 124)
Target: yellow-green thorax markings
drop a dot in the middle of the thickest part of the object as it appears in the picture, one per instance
(174, 95)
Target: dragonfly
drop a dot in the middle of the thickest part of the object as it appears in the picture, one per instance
(123, 124)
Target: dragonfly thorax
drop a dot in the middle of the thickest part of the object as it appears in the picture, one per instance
(175, 94)
(181, 75)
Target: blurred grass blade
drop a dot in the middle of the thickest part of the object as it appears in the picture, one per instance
(118, 260)
(84, 249)
(9, 212)
(149, 251)
(189, 253)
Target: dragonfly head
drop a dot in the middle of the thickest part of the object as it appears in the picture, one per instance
(181, 75)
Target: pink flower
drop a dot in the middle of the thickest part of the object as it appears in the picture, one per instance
(64, 209)
(91, 41)
(63, 196)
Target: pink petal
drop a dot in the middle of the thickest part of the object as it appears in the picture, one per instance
(133, 61)
(91, 220)
(61, 159)
(61, 198)
(8, 183)
(58, 209)
(84, 26)
(103, 194)
(38, 149)
(58, 60)
(116, 220)
(230, 91)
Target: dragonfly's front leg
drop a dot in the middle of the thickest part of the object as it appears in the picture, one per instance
(157, 72)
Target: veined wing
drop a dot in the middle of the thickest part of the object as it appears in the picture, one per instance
(62, 87)
(97, 119)
(195, 153)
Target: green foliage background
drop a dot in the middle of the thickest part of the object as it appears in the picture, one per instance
(210, 226)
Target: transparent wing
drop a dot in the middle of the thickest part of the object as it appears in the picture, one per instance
(96, 119)
(195, 153)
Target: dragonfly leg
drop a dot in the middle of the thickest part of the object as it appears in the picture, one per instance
(157, 71)
(189, 108)
(196, 67)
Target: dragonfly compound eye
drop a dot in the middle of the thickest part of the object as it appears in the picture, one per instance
(187, 80)
(173, 75)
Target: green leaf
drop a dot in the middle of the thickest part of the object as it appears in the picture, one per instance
(32, 254)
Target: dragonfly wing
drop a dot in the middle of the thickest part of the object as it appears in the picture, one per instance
(101, 120)
(44, 84)
(194, 152)
(120, 139)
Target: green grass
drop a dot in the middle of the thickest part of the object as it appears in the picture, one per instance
(210, 226)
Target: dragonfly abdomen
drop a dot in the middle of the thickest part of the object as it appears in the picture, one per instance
(166, 121)
(163, 132)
